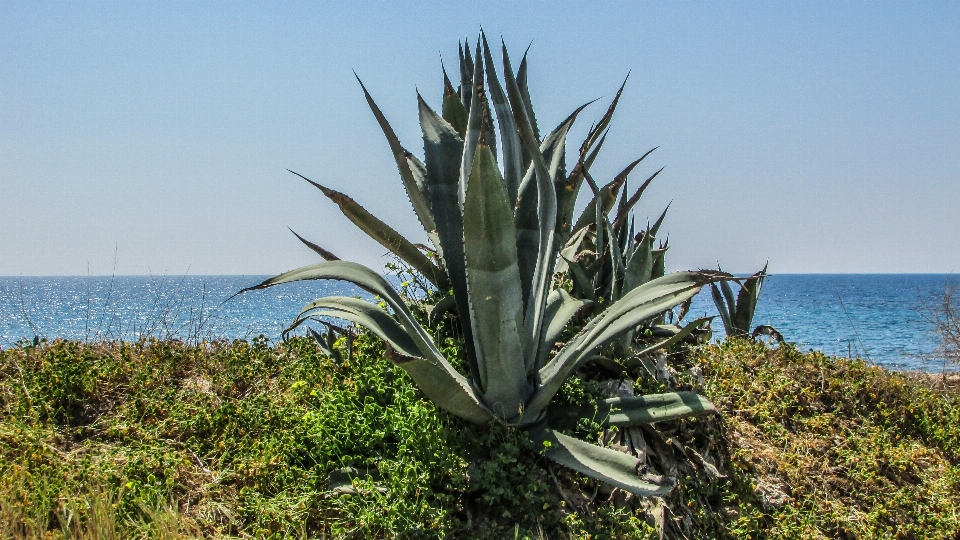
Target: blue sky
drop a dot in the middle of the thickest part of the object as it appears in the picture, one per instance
(152, 138)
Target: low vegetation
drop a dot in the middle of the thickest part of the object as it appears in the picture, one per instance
(942, 316)
(529, 379)
(162, 440)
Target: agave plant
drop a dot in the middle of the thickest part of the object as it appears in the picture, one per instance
(604, 260)
(496, 230)
(737, 315)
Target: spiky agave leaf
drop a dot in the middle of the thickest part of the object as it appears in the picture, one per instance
(526, 216)
(566, 197)
(628, 411)
(609, 466)
(493, 287)
(364, 313)
(453, 109)
(478, 122)
(387, 236)
(316, 249)
(466, 74)
(443, 152)
(413, 188)
(747, 300)
(640, 265)
(572, 249)
(561, 308)
(601, 126)
(525, 94)
(547, 216)
(721, 304)
(635, 307)
(623, 213)
(602, 201)
(430, 370)
(737, 316)
(682, 333)
(509, 137)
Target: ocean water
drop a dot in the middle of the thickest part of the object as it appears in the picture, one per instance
(876, 317)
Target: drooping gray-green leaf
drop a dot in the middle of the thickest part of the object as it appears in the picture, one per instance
(446, 388)
(493, 282)
(766, 330)
(628, 411)
(611, 367)
(433, 374)
(364, 313)
(609, 466)
(445, 305)
(675, 338)
(643, 302)
(367, 280)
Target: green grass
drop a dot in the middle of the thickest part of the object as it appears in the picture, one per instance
(163, 440)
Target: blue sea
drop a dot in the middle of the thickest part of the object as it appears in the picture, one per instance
(875, 317)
